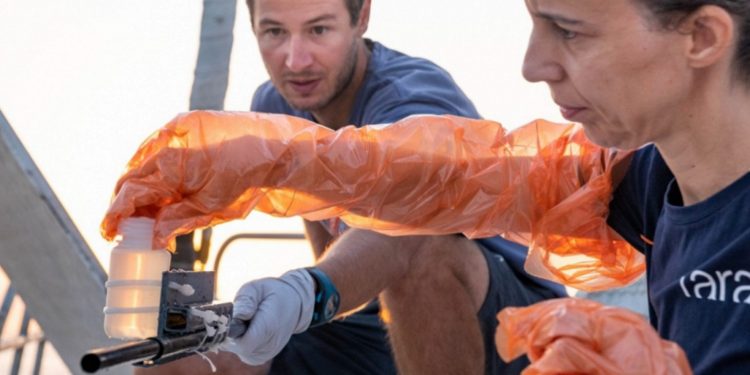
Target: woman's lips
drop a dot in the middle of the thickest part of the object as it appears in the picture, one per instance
(569, 113)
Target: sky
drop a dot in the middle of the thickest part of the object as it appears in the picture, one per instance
(84, 82)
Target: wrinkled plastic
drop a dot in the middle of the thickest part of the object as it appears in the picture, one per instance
(543, 185)
(579, 336)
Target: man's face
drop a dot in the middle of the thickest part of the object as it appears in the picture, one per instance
(609, 68)
(309, 48)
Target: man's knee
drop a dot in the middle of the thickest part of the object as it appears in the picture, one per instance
(439, 264)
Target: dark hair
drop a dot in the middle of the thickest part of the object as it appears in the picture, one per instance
(669, 13)
(353, 6)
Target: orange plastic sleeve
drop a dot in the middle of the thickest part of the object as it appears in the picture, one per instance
(579, 336)
(544, 184)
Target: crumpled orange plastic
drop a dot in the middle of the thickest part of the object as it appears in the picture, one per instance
(579, 336)
(544, 184)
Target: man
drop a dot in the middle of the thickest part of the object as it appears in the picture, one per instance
(322, 69)
(441, 294)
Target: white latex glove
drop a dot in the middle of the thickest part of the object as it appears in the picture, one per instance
(276, 308)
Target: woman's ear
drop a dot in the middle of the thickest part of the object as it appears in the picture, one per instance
(712, 33)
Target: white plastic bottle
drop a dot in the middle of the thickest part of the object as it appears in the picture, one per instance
(134, 285)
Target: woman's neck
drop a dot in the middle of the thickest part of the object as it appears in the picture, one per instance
(709, 147)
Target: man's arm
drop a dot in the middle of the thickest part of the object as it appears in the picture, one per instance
(433, 284)
(363, 263)
(318, 236)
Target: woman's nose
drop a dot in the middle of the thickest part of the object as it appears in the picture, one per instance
(540, 63)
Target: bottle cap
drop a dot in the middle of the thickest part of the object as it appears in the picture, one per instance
(137, 232)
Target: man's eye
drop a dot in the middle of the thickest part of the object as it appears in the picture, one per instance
(319, 30)
(274, 31)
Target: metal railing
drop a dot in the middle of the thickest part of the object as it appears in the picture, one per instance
(20, 342)
(253, 236)
(250, 236)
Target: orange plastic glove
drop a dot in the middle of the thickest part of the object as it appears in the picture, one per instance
(544, 184)
(578, 336)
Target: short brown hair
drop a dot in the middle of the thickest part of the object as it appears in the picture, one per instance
(353, 6)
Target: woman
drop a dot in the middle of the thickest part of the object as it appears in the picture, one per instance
(673, 75)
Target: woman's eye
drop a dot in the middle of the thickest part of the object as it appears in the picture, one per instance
(565, 33)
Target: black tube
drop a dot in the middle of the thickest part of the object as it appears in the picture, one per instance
(114, 355)
(149, 349)
(177, 344)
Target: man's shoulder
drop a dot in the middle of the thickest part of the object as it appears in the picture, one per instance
(399, 85)
(391, 67)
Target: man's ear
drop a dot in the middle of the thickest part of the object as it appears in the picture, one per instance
(250, 7)
(364, 17)
(712, 34)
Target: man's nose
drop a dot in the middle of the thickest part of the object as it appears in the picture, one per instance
(540, 63)
(298, 56)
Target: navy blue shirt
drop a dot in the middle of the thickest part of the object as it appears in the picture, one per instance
(397, 86)
(698, 262)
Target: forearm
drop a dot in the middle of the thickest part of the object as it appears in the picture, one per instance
(204, 168)
(543, 184)
(363, 263)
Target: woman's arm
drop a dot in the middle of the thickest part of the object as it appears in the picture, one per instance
(543, 184)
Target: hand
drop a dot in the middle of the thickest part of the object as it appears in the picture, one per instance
(579, 336)
(275, 308)
(204, 168)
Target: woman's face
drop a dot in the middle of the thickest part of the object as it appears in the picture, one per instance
(609, 67)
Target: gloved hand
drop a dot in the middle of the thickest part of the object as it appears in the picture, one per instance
(579, 336)
(276, 308)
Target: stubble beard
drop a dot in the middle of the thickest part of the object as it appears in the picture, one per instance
(343, 80)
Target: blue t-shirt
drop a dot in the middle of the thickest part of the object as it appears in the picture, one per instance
(397, 86)
(698, 262)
